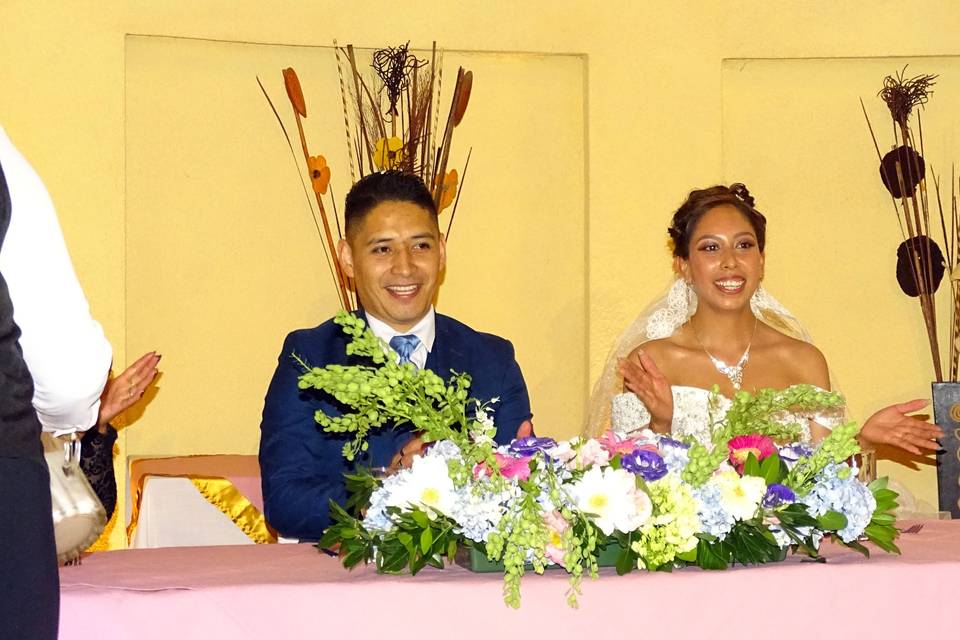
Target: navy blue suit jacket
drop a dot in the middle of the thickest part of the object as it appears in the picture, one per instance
(302, 466)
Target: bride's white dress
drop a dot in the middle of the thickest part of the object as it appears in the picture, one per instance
(691, 415)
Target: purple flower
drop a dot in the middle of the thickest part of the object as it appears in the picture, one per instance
(645, 463)
(670, 442)
(530, 445)
(794, 452)
(777, 494)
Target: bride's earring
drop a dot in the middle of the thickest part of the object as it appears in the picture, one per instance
(760, 294)
(759, 299)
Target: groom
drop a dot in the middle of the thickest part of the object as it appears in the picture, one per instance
(395, 254)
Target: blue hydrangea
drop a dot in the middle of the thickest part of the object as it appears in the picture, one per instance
(715, 519)
(376, 519)
(478, 513)
(837, 489)
(675, 454)
(445, 449)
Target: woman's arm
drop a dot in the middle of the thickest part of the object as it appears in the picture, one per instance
(63, 346)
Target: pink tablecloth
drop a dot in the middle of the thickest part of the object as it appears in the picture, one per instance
(291, 591)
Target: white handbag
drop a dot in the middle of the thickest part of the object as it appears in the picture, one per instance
(78, 516)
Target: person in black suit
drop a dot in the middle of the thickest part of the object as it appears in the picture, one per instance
(394, 252)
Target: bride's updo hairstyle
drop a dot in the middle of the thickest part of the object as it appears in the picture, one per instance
(702, 200)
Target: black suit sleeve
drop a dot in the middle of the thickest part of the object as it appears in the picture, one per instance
(301, 470)
(514, 405)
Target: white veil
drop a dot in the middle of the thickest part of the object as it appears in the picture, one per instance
(659, 320)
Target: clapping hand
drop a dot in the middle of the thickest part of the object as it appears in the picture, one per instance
(643, 378)
(892, 426)
(121, 392)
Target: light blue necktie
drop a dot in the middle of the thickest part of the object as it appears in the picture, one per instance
(404, 346)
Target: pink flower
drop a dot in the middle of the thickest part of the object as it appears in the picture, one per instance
(592, 453)
(742, 446)
(614, 444)
(509, 466)
(556, 527)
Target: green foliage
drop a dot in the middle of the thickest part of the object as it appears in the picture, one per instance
(360, 486)
(835, 448)
(419, 539)
(748, 543)
(754, 413)
(390, 394)
(355, 543)
(881, 531)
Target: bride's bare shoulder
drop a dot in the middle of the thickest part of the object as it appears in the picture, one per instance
(663, 350)
(805, 359)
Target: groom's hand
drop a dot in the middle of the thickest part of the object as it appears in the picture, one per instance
(525, 430)
(404, 457)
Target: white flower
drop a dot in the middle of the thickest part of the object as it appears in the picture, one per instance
(426, 484)
(611, 495)
(564, 450)
(740, 497)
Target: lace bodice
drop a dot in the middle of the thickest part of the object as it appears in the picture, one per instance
(691, 414)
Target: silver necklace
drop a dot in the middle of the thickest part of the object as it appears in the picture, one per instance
(733, 372)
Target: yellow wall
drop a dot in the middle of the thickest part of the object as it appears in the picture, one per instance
(655, 103)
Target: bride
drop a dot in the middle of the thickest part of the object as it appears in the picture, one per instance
(717, 326)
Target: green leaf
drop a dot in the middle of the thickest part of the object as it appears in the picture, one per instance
(883, 518)
(712, 556)
(880, 532)
(426, 540)
(752, 467)
(878, 484)
(420, 518)
(406, 540)
(353, 558)
(832, 520)
(688, 556)
(856, 546)
(885, 494)
(395, 562)
(770, 469)
(626, 561)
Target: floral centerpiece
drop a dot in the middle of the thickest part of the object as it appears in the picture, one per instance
(652, 502)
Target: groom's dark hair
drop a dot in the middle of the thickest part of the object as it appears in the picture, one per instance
(385, 186)
(700, 201)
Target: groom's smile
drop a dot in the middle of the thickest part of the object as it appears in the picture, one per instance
(395, 257)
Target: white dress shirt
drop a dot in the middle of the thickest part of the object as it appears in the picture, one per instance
(63, 346)
(425, 329)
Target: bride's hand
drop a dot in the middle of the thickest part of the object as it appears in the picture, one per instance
(643, 378)
(892, 426)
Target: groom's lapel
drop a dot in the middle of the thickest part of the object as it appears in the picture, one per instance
(447, 352)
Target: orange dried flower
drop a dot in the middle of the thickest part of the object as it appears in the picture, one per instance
(319, 173)
(294, 92)
(448, 190)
